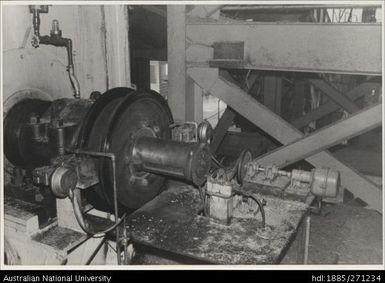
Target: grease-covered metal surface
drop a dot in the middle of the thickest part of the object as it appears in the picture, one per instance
(172, 222)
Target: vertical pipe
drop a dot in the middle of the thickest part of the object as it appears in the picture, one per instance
(60, 141)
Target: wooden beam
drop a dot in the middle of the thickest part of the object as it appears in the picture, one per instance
(117, 46)
(221, 128)
(335, 95)
(184, 99)
(326, 137)
(330, 106)
(281, 130)
(176, 38)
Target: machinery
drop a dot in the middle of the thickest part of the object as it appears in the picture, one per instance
(114, 152)
(63, 143)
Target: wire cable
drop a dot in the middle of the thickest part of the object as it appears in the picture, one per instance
(260, 205)
(75, 200)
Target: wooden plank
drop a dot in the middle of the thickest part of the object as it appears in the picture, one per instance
(281, 130)
(324, 138)
(308, 47)
(220, 130)
(20, 220)
(330, 106)
(335, 95)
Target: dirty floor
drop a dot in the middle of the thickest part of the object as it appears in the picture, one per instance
(341, 234)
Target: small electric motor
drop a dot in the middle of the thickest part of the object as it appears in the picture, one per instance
(324, 182)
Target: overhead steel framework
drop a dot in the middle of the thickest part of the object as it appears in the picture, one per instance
(200, 44)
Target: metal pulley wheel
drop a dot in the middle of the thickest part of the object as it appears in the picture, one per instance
(205, 132)
(244, 159)
(114, 122)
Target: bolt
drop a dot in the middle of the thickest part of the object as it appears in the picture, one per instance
(156, 129)
(132, 179)
(34, 118)
(35, 41)
(55, 31)
(144, 182)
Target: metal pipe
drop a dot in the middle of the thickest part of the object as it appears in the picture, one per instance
(36, 22)
(55, 38)
(60, 141)
(74, 81)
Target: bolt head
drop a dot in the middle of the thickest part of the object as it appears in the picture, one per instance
(144, 182)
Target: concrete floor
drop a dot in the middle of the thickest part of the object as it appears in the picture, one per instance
(342, 234)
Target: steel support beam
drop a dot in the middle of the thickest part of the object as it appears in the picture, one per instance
(330, 106)
(326, 137)
(306, 47)
(281, 130)
(335, 95)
